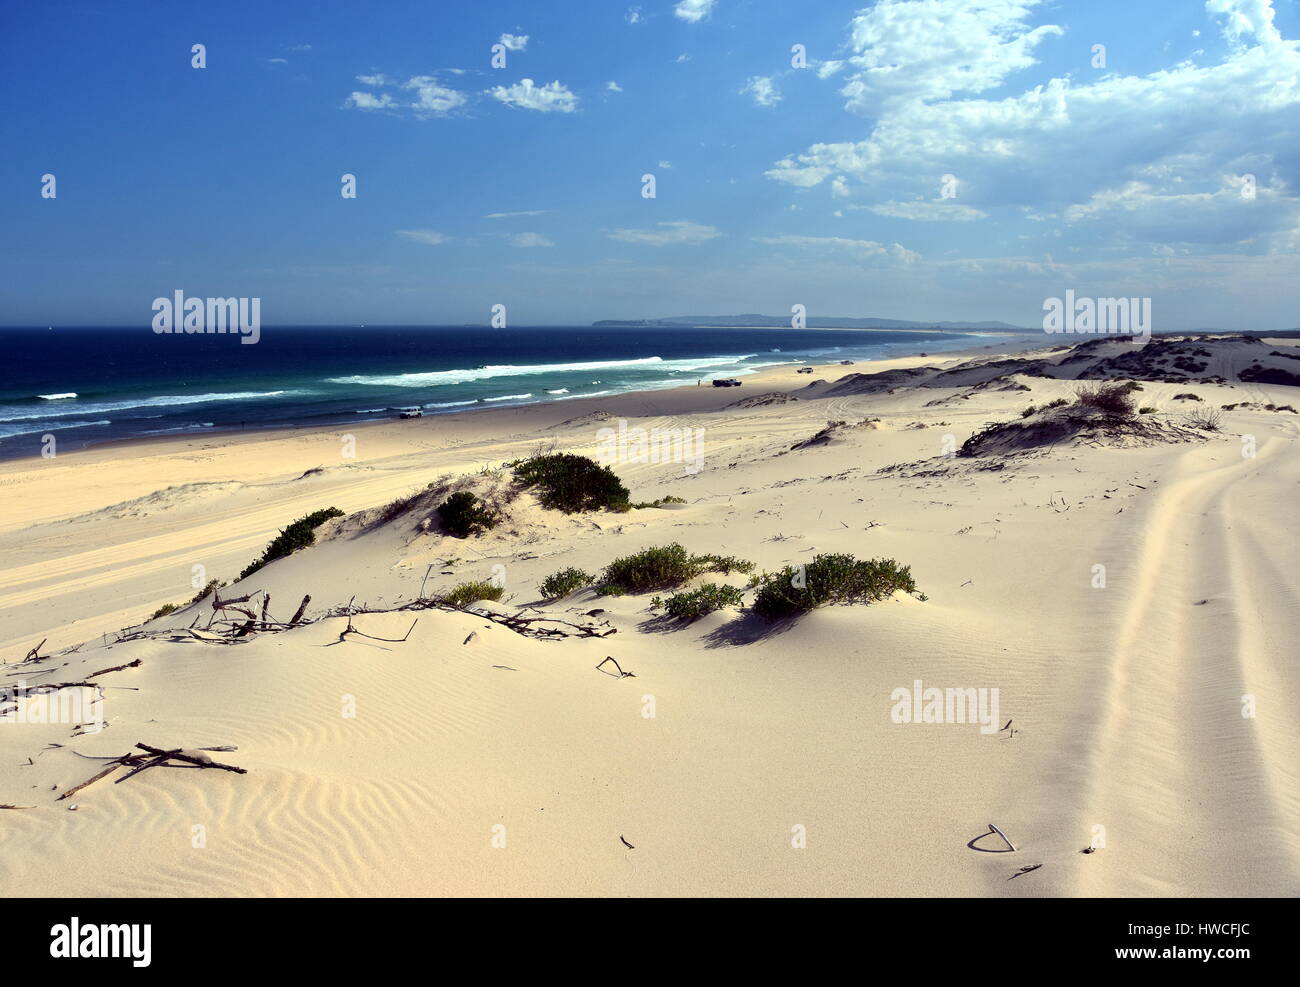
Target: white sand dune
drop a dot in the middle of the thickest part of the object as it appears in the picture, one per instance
(1126, 700)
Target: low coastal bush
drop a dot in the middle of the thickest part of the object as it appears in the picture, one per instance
(467, 593)
(1206, 419)
(208, 590)
(463, 514)
(663, 567)
(670, 499)
(164, 610)
(298, 535)
(827, 579)
(1109, 396)
(564, 582)
(694, 604)
(569, 483)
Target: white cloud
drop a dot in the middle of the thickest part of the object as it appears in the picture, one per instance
(613, 87)
(515, 42)
(422, 95)
(550, 98)
(828, 68)
(693, 11)
(665, 164)
(431, 237)
(862, 248)
(529, 240)
(1065, 145)
(930, 49)
(634, 16)
(664, 234)
(432, 99)
(1245, 20)
(933, 211)
(370, 101)
(278, 61)
(763, 89)
(512, 215)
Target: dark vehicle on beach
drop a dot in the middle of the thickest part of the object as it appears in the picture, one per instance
(726, 382)
(805, 370)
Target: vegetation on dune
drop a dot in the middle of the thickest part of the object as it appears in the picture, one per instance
(300, 534)
(467, 593)
(564, 582)
(828, 579)
(1110, 397)
(164, 610)
(464, 514)
(569, 483)
(694, 604)
(663, 567)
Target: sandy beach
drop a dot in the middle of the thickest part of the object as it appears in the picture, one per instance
(1130, 596)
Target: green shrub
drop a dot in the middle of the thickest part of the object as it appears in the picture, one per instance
(1146, 411)
(164, 610)
(463, 514)
(693, 604)
(830, 578)
(564, 582)
(664, 567)
(467, 593)
(569, 483)
(670, 499)
(298, 535)
(206, 591)
(1028, 411)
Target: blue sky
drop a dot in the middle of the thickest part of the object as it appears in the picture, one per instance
(775, 185)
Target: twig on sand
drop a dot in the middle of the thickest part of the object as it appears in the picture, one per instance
(117, 668)
(626, 843)
(202, 762)
(151, 763)
(302, 608)
(391, 640)
(621, 674)
(1004, 836)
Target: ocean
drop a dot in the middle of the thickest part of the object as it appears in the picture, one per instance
(87, 385)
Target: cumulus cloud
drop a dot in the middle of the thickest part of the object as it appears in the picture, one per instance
(431, 237)
(514, 42)
(1064, 147)
(931, 49)
(369, 101)
(693, 11)
(422, 95)
(524, 95)
(1246, 20)
(665, 234)
(763, 89)
(613, 87)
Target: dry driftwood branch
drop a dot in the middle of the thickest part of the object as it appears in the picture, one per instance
(125, 759)
(1003, 835)
(302, 608)
(391, 640)
(151, 763)
(209, 763)
(621, 674)
(35, 653)
(117, 668)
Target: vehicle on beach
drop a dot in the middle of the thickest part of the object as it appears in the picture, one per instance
(805, 370)
(413, 413)
(726, 382)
